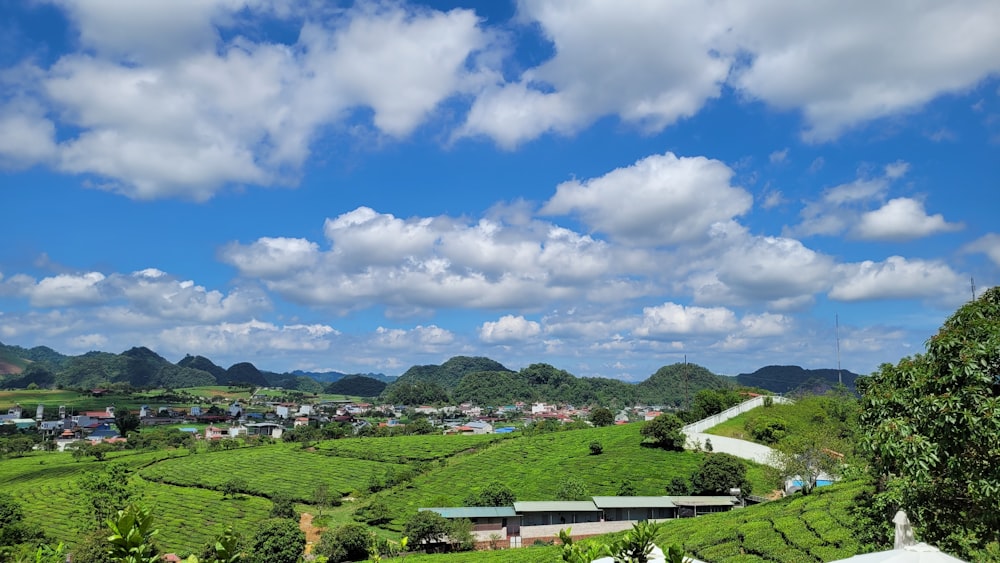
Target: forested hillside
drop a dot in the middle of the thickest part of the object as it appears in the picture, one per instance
(790, 379)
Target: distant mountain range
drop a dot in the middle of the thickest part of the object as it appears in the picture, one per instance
(461, 378)
(792, 379)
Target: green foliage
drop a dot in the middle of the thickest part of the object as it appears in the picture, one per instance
(708, 402)
(719, 473)
(626, 489)
(679, 486)
(93, 548)
(426, 527)
(576, 552)
(346, 543)
(356, 386)
(13, 530)
(806, 455)
(227, 548)
(234, 486)
(126, 421)
(131, 539)
(493, 494)
(601, 416)
(794, 379)
(767, 430)
(664, 431)
(276, 540)
(671, 385)
(596, 448)
(636, 545)
(932, 421)
(417, 393)
(105, 491)
(374, 513)
(282, 507)
(572, 489)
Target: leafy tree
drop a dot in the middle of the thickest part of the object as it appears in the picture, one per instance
(350, 542)
(276, 540)
(131, 539)
(106, 490)
(12, 528)
(767, 430)
(596, 448)
(321, 498)
(460, 534)
(126, 422)
(805, 455)
(426, 526)
(572, 489)
(374, 513)
(679, 487)
(282, 506)
(99, 451)
(421, 426)
(494, 493)
(602, 417)
(718, 474)
(627, 489)
(664, 431)
(932, 424)
(234, 487)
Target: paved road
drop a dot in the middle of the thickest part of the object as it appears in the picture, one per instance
(739, 448)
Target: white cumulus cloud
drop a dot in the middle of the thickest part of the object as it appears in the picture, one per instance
(897, 278)
(509, 329)
(660, 200)
(901, 219)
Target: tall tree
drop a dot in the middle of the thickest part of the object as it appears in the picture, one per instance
(664, 431)
(602, 417)
(277, 540)
(718, 474)
(126, 422)
(931, 425)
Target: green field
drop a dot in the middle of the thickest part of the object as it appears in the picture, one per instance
(818, 414)
(184, 489)
(534, 467)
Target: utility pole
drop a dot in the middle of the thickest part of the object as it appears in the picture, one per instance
(840, 378)
(973, 281)
(687, 397)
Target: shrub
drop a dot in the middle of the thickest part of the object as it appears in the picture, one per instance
(596, 448)
(346, 543)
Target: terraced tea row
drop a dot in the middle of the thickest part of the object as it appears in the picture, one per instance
(268, 470)
(403, 449)
(535, 467)
(804, 528)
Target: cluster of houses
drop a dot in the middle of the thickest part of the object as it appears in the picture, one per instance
(265, 417)
(524, 522)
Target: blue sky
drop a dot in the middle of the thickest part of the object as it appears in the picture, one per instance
(607, 187)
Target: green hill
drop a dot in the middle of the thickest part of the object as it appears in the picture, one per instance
(791, 379)
(677, 384)
(450, 373)
(356, 386)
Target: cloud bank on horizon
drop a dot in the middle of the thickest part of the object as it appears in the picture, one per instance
(607, 188)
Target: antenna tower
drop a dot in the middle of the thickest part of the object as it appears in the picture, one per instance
(840, 378)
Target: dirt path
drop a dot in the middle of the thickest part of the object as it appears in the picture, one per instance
(312, 533)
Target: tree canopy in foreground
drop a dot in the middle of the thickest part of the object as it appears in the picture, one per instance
(931, 428)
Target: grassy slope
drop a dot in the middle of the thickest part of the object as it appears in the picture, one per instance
(535, 467)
